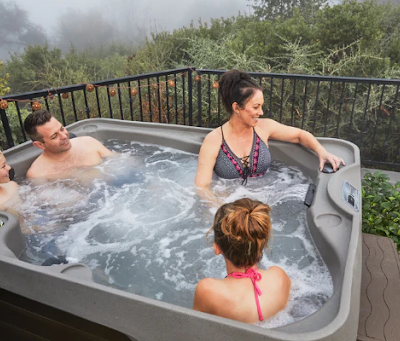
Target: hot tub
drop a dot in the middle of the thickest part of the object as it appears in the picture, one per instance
(334, 223)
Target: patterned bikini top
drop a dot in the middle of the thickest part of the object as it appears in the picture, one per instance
(229, 166)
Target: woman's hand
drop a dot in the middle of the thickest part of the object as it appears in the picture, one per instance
(325, 156)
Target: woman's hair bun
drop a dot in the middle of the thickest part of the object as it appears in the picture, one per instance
(242, 229)
(236, 86)
(244, 76)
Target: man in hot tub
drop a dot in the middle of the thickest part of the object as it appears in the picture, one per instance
(60, 154)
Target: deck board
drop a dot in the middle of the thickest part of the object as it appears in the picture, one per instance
(380, 290)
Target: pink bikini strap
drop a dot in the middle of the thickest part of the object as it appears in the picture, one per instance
(255, 277)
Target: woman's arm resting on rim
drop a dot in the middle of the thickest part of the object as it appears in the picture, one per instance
(285, 133)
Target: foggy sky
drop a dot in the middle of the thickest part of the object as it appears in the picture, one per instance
(159, 14)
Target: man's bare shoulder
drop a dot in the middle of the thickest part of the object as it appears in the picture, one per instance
(37, 168)
(89, 143)
(84, 141)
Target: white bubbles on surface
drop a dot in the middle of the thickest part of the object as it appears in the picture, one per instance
(141, 227)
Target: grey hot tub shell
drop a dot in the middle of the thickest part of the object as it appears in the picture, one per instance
(334, 225)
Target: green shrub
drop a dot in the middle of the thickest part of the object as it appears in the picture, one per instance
(15, 126)
(381, 206)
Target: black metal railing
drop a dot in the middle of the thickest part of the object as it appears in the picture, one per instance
(361, 110)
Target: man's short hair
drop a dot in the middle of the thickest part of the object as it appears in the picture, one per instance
(34, 120)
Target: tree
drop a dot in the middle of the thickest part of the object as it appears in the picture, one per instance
(4, 89)
(16, 30)
(272, 9)
(28, 70)
(351, 21)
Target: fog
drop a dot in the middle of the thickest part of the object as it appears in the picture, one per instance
(167, 14)
(98, 22)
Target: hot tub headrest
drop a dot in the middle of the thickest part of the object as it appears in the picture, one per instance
(11, 174)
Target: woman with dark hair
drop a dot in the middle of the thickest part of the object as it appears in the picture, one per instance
(239, 148)
(247, 294)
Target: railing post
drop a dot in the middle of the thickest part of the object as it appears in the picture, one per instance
(199, 114)
(7, 129)
(190, 96)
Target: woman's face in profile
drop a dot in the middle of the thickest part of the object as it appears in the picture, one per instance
(253, 109)
(4, 169)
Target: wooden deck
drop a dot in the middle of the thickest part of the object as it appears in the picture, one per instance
(380, 291)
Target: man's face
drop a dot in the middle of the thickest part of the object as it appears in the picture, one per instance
(55, 137)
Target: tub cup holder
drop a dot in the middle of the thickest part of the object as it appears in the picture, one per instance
(90, 128)
(328, 220)
(80, 271)
(76, 270)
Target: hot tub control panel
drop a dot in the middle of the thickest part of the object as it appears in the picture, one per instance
(351, 195)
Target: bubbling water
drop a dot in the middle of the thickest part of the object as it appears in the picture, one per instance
(140, 226)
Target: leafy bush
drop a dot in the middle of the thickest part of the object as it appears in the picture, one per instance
(381, 206)
(15, 124)
(3, 81)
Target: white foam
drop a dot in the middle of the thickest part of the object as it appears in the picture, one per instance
(142, 227)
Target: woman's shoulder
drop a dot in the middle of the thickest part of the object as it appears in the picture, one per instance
(280, 277)
(212, 289)
(208, 285)
(267, 127)
(206, 295)
(212, 142)
(10, 189)
(266, 123)
(10, 186)
(214, 136)
(276, 270)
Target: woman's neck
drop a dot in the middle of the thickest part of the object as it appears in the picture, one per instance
(3, 188)
(239, 129)
(230, 268)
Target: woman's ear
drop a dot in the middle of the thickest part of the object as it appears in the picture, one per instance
(235, 107)
(217, 249)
